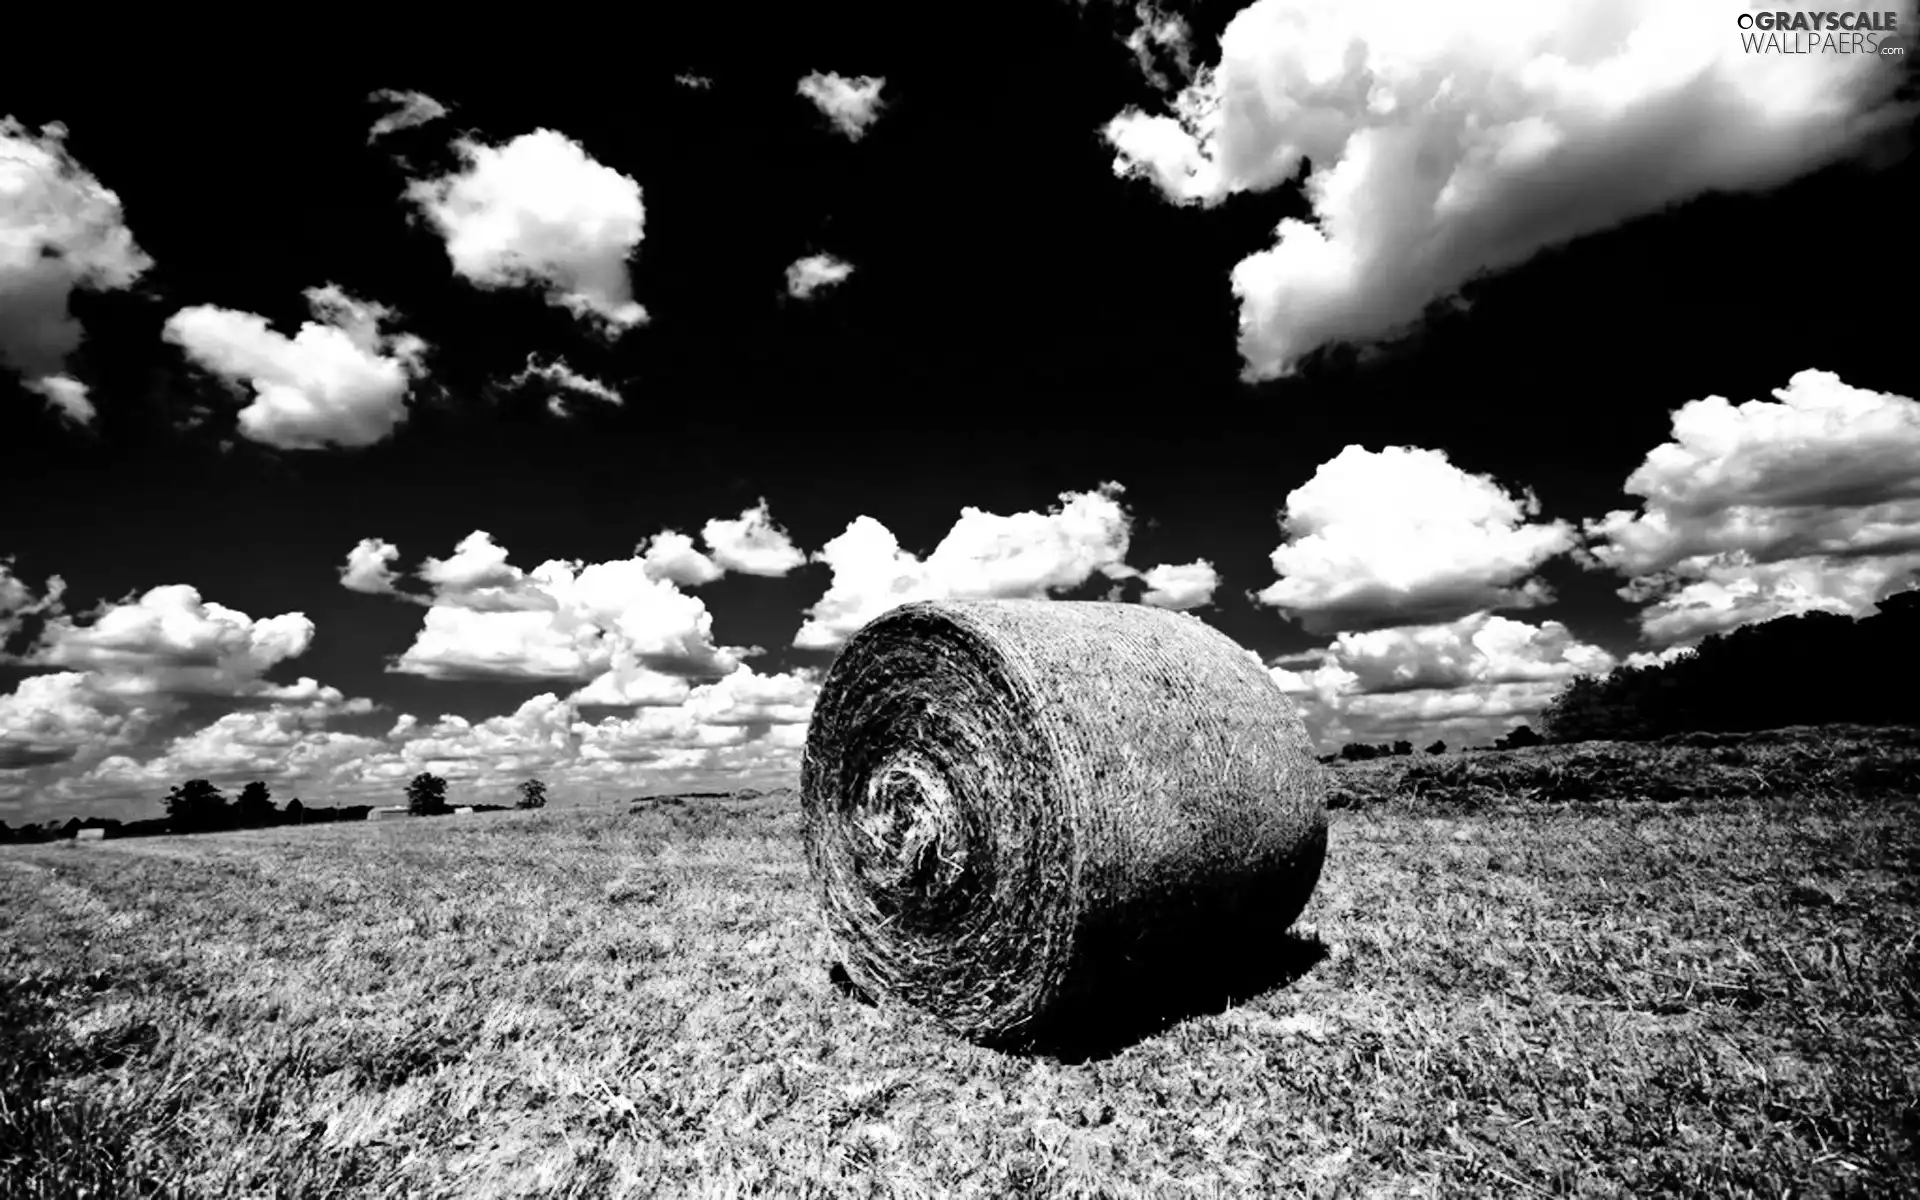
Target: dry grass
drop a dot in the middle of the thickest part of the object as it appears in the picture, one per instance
(1860, 761)
(1622, 1000)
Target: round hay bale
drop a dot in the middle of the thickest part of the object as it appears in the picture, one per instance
(1010, 805)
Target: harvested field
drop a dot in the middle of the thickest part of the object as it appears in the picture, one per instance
(1628, 998)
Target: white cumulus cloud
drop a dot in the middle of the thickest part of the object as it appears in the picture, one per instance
(55, 718)
(341, 381)
(807, 275)
(624, 629)
(1809, 502)
(169, 640)
(60, 229)
(1402, 536)
(540, 211)
(1190, 585)
(1451, 141)
(671, 555)
(852, 104)
(1462, 680)
(752, 544)
(131, 665)
(369, 567)
(67, 395)
(1027, 554)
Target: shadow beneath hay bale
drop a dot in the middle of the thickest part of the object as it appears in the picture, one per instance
(1204, 977)
(1200, 975)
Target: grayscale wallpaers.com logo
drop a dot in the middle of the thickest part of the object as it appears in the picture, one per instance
(1875, 33)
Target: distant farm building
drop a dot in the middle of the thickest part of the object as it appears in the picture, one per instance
(89, 835)
(461, 812)
(385, 814)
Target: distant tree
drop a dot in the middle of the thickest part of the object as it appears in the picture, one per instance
(533, 794)
(1622, 705)
(1519, 738)
(1359, 752)
(195, 806)
(254, 808)
(1437, 748)
(426, 794)
(296, 812)
(1402, 748)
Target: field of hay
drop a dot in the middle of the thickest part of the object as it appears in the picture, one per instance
(1653, 982)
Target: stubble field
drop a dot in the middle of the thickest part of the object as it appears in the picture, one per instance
(1595, 998)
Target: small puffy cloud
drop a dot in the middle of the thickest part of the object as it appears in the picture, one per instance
(1462, 680)
(672, 556)
(1024, 555)
(1809, 502)
(563, 378)
(340, 381)
(60, 229)
(537, 735)
(476, 570)
(698, 83)
(168, 641)
(1403, 536)
(409, 110)
(712, 725)
(1657, 658)
(316, 701)
(1449, 142)
(1481, 648)
(67, 395)
(540, 211)
(807, 275)
(851, 104)
(369, 567)
(1181, 587)
(624, 628)
(752, 544)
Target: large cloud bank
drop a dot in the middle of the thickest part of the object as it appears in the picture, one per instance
(1447, 141)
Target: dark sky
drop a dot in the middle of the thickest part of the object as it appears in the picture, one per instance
(1020, 324)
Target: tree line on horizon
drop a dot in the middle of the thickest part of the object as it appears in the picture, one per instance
(200, 806)
(1814, 668)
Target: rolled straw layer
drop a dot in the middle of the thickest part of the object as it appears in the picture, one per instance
(1008, 803)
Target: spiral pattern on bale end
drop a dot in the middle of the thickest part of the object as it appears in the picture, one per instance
(1006, 801)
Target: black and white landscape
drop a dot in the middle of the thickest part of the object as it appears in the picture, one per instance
(551, 401)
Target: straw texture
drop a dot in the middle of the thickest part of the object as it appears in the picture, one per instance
(1007, 804)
